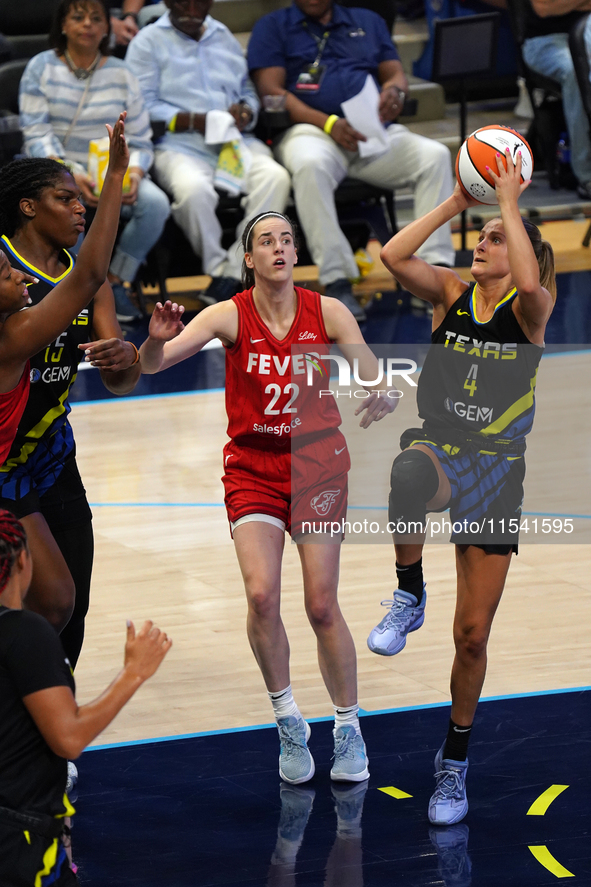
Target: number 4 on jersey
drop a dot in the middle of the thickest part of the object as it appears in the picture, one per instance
(470, 383)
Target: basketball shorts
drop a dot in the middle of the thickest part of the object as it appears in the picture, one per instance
(486, 497)
(32, 861)
(48, 482)
(306, 486)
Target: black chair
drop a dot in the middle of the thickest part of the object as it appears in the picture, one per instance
(576, 42)
(385, 8)
(26, 16)
(546, 98)
(11, 139)
(25, 46)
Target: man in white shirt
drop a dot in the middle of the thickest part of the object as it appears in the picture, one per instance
(189, 64)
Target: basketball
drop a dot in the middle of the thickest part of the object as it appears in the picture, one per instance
(480, 150)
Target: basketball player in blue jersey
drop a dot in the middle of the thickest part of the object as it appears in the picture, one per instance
(41, 216)
(476, 397)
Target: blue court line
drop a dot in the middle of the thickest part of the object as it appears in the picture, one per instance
(351, 508)
(362, 713)
(86, 403)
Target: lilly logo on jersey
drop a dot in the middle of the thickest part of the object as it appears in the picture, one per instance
(303, 336)
(323, 502)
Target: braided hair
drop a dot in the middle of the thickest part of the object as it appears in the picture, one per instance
(25, 178)
(13, 540)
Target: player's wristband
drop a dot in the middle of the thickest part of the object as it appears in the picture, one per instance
(137, 355)
(330, 122)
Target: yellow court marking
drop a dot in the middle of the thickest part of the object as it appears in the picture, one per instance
(545, 858)
(394, 792)
(541, 804)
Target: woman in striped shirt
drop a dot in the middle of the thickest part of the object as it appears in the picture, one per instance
(66, 95)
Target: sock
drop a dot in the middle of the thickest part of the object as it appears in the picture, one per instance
(283, 704)
(410, 578)
(456, 743)
(349, 716)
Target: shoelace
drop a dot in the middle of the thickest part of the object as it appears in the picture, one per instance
(449, 784)
(394, 618)
(291, 745)
(343, 747)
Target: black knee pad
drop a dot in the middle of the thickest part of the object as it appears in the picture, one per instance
(413, 482)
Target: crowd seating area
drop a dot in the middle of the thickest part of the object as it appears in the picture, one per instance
(431, 109)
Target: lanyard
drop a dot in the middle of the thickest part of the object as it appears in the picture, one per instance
(320, 43)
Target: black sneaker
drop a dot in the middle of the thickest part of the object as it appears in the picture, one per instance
(125, 309)
(220, 290)
(342, 290)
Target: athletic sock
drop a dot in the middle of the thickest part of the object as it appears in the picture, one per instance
(456, 743)
(283, 704)
(349, 716)
(410, 578)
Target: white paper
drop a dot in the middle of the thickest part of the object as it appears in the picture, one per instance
(220, 127)
(362, 113)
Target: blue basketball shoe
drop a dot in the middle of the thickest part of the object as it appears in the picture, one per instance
(296, 764)
(350, 759)
(404, 616)
(448, 803)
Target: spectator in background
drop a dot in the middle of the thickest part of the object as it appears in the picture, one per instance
(338, 48)
(546, 51)
(189, 64)
(124, 21)
(66, 95)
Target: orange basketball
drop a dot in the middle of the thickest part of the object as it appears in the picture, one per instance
(480, 150)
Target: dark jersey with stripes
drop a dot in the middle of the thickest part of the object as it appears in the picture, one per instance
(479, 377)
(53, 370)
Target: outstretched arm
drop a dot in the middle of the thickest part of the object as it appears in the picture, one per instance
(170, 341)
(27, 332)
(68, 728)
(343, 329)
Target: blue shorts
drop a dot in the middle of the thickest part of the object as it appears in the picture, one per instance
(486, 495)
(48, 482)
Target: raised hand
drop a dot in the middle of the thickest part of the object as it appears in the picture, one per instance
(166, 323)
(507, 177)
(118, 150)
(145, 650)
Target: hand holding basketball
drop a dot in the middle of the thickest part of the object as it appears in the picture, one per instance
(507, 177)
(479, 161)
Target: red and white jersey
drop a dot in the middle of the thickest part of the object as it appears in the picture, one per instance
(12, 407)
(274, 387)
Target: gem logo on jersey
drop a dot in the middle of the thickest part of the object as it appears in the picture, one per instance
(324, 501)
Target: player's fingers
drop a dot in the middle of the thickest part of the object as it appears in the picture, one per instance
(146, 628)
